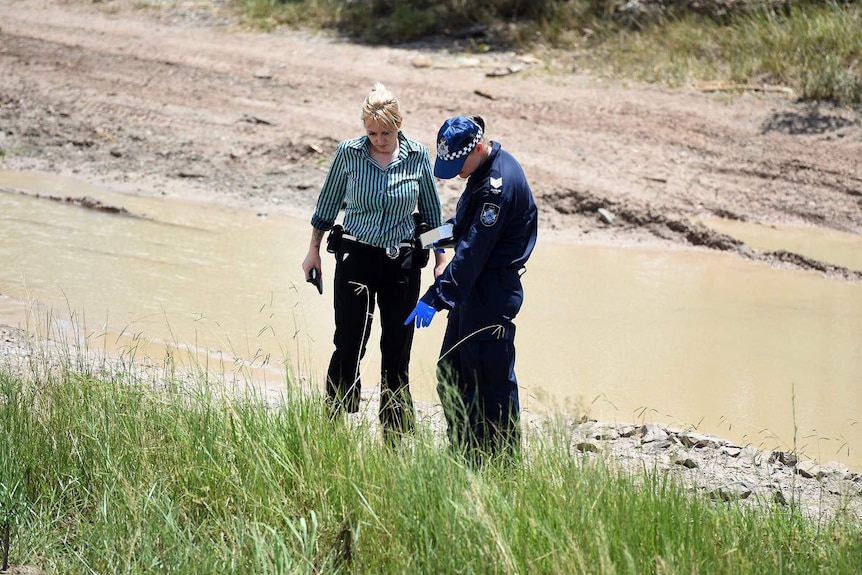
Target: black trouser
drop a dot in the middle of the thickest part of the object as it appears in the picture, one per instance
(365, 275)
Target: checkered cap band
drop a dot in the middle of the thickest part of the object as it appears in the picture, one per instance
(463, 151)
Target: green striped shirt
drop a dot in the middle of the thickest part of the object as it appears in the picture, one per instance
(378, 203)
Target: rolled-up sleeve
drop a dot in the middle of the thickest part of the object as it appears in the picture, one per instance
(333, 192)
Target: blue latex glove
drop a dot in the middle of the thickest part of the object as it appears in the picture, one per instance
(422, 313)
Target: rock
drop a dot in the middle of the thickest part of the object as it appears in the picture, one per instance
(733, 492)
(834, 468)
(699, 440)
(686, 462)
(586, 447)
(651, 433)
(731, 450)
(752, 454)
(422, 61)
(783, 457)
(808, 469)
(605, 432)
(606, 216)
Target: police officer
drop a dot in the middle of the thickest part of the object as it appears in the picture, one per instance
(494, 232)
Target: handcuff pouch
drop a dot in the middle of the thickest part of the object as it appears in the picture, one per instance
(333, 240)
(420, 256)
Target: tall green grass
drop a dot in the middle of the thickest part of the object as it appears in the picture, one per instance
(106, 472)
(271, 14)
(811, 47)
(814, 49)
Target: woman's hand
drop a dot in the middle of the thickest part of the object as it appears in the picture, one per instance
(311, 262)
(312, 258)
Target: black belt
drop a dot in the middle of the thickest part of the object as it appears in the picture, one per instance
(391, 251)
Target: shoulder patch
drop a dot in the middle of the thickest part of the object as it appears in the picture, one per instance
(490, 213)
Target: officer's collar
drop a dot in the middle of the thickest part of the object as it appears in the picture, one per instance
(482, 171)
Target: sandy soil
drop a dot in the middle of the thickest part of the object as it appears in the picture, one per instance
(176, 99)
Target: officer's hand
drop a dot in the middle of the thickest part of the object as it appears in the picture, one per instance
(422, 313)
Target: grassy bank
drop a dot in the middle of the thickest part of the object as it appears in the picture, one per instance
(107, 473)
(812, 47)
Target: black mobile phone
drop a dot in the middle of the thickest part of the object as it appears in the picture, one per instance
(316, 279)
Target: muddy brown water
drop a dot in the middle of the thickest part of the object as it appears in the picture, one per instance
(762, 356)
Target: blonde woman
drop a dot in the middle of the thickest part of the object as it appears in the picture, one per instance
(379, 180)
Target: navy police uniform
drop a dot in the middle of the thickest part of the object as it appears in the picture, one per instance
(495, 228)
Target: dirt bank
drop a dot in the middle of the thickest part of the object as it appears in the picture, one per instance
(183, 102)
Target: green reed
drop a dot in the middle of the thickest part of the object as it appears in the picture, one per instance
(116, 473)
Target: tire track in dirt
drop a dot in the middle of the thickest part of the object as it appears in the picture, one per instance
(168, 105)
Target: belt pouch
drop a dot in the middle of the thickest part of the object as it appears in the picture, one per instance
(333, 240)
(420, 256)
